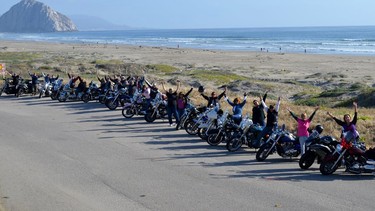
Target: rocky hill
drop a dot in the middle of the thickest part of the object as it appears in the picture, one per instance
(30, 16)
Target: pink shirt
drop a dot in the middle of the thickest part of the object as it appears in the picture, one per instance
(303, 125)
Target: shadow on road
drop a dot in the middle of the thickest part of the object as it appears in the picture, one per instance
(179, 144)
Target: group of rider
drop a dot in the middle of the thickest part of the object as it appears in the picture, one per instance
(263, 115)
(177, 102)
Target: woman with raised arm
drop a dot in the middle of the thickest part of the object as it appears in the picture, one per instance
(302, 128)
(348, 124)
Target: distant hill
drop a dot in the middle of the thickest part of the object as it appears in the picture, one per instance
(92, 23)
(30, 16)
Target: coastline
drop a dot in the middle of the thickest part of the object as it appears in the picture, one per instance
(257, 64)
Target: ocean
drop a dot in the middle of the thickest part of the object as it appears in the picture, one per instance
(356, 40)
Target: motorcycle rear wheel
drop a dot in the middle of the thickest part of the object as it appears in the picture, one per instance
(307, 160)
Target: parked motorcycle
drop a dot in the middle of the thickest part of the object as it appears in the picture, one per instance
(8, 87)
(68, 93)
(24, 87)
(198, 117)
(226, 130)
(57, 86)
(280, 141)
(119, 98)
(45, 90)
(248, 133)
(211, 123)
(317, 147)
(158, 109)
(350, 154)
(91, 93)
(134, 107)
(189, 113)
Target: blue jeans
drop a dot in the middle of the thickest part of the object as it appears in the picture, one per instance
(170, 111)
(266, 130)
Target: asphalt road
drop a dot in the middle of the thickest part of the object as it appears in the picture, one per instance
(76, 156)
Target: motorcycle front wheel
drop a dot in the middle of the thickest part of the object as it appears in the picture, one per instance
(234, 144)
(20, 92)
(111, 105)
(128, 112)
(215, 139)
(202, 133)
(150, 116)
(263, 152)
(191, 127)
(307, 160)
(85, 98)
(328, 166)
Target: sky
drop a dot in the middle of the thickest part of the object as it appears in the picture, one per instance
(184, 14)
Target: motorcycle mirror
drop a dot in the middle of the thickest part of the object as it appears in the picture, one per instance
(283, 127)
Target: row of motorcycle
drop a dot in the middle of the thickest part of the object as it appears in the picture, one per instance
(216, 126)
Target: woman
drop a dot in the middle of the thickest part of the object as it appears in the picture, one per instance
(302, 128)
(348, 124)
(182, 102)
(271, 123)
(237, 108)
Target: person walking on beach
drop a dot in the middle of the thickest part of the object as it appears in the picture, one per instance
(258, 111)
(214, 99)
(302, 128)
(237, 108)
(172, 103)
(271, 124)
(182, 102)
(348, 124)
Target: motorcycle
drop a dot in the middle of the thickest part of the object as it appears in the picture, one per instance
(91, 93)
(188, 114)
(317, 148)
(57, 86)
(223, 132)
(248, 132)
(198, 117)
(211, 123)
(134, 107)
(158, 109)
(119, 97)
(69, 93)
(24, 87)
(8, 87)
(280, 141)
(45, 90)
(350, 154)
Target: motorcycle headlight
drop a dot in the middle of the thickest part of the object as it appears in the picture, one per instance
(338, 147)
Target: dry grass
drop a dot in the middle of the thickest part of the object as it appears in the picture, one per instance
(365, 123)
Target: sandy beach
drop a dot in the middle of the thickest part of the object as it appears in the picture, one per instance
(260, 65)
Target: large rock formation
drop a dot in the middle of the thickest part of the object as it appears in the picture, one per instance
(30, 16)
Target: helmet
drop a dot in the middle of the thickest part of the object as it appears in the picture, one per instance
(319, 129)
(200, 89)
